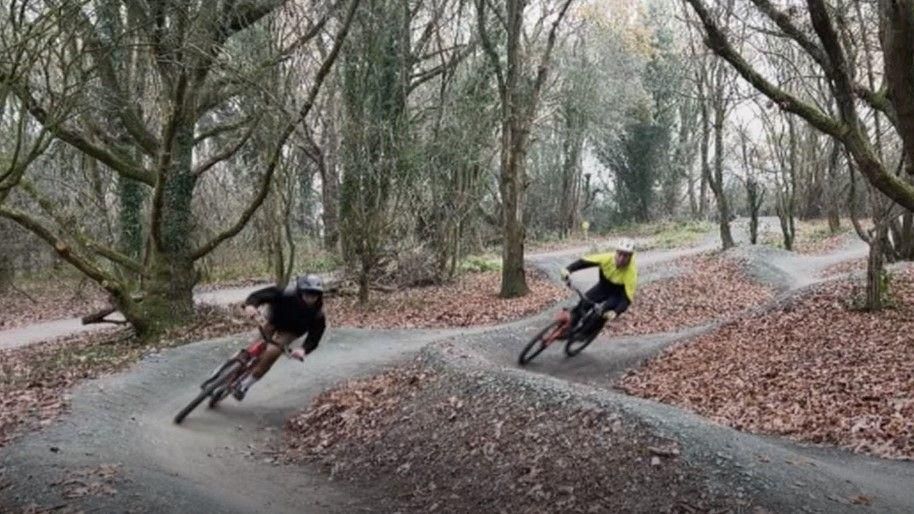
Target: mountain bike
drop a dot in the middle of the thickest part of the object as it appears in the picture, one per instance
(226, 377)
(576, 337)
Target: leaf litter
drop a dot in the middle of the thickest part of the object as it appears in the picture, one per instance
(814, 370)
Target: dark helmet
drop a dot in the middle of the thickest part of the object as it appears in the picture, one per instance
(309, 284)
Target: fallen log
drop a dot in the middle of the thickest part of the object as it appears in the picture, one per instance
(100, 317)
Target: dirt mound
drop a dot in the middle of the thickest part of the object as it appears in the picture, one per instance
(455, 442)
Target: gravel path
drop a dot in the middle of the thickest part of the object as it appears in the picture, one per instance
(207, 465)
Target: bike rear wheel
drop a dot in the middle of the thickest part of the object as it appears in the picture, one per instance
(224, 377)
(539, 343)
(578, 341)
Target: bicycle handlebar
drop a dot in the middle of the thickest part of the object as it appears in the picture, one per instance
(581, 295)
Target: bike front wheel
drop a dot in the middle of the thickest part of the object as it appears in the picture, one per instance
(539, 343)
(579, 339)
(223, 379)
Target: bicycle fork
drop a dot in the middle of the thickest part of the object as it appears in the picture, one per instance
(241, 357)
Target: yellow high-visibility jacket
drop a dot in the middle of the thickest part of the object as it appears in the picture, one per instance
(627, 276)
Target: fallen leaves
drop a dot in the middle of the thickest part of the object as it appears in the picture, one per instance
(708, 288)
(816, 246)
(34, 379)
(460, 442)
(96, 481)
(352, 411)
(813, 370)
(38, 301)
(842, 268)
(812, 237)
(472, 300)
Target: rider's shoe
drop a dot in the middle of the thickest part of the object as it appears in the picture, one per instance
(238, 393)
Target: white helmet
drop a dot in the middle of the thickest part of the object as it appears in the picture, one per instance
(626, 246)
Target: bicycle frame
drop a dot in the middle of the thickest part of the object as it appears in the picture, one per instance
(248, 358)
(225, 378)
(564, 316)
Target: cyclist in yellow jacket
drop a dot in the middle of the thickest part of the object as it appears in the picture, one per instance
(615, 290)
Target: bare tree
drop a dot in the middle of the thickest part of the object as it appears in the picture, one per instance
(520, 84)
(828, 39)
(83, 98)
(824, 45)
(382, 72)
(755, 191)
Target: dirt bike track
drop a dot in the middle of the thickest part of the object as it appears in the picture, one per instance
(214, 462)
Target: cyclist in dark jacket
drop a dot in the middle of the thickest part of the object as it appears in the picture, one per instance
(290, 314)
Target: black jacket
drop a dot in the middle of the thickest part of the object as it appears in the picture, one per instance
(288, 313)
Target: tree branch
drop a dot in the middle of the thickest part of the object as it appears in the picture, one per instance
(839, 72)
(848, 130)
(783, 22)
(131, 120)
(488, 47)
(543, 67)
(226, 153)
(91, 244)
(897, 31)
(104, 279)
(123, 165)
(718, 43)
(222, 128)
(424, 76)
(264, 188)
(243, 16)
(17, 165)
(228, 86)
(878, 100)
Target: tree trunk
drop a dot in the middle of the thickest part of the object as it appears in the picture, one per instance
(330, 194)
(519, 96)
(513, 278)
(705, 161)
(330, 180)
(6, 272)
(693, 201)
(786, 220)
(754, 198)
(513, 145)
(364, 281)
(717, 181)
(906, 243)
(808, 175)
(753, 227)
(168, 296)
(130, 195)
(874, 269)
(168, 292)
(832, 190)
(571, 179)
(682, 161)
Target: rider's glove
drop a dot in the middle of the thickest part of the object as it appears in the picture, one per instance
(298, 354)
(251, 312)
(609, 315)
(565, 274)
